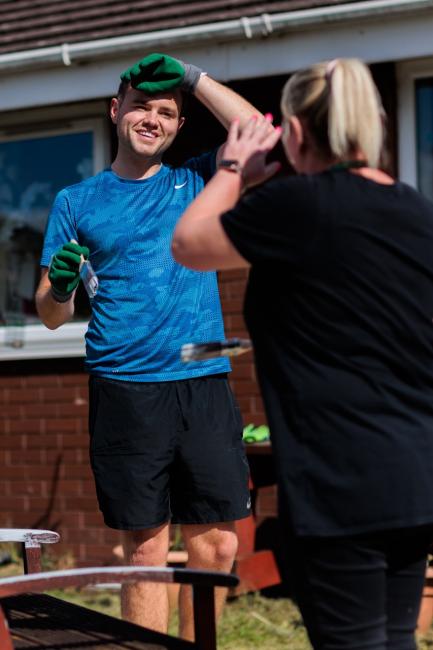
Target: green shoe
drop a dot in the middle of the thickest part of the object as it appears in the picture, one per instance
(248, 430)
(256, 434)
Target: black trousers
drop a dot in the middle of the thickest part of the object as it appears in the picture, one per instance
(362, 591)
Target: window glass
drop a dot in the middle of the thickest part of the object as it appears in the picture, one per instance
(424, 122)
(32, 171)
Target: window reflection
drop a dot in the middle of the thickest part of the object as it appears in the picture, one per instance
(424, 122)
(32, 171)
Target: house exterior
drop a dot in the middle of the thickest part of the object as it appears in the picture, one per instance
(60, 62)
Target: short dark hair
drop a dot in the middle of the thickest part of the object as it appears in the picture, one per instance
(123, 89)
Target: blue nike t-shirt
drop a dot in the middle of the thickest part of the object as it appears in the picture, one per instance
(147, 305)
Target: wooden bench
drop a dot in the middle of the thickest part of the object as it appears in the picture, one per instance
(31, 540)
(41, 621)
(425, 616)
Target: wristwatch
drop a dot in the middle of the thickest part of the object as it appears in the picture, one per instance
(231, 165)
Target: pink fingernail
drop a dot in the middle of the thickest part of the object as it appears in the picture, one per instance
(269, 116)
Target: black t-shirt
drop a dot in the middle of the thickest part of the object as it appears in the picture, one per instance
(339, 305)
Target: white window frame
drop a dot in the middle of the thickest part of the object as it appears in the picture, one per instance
(408, 72)
(68, 341)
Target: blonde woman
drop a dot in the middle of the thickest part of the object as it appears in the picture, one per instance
(339, 305)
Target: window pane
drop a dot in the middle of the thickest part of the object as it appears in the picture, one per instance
(32, 171)
(424, 122)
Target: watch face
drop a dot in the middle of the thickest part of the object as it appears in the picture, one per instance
(232, 165)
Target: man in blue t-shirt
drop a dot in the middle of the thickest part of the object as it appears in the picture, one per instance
(165, 437)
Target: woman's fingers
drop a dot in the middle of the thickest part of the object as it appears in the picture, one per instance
(233, 132)
(249, 128)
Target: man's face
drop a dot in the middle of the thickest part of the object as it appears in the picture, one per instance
(146, 124)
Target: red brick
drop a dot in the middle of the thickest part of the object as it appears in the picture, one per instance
(92, 536)
(74, 410)
(93, 518)
(87, 486)
(69, 487)
(5, 457)
(244, 387)
(242, 371)
(233, 274)
(68, 456)
(231, 306)
(75, 380)
(236, 289)
(80, 503)
(14, 503)
(237, 323)
(24, 395)
(38, 505)
(36, 410)
(5, 488)
(98, 554)
(12, 442)
(58, 395)
(16, 472)
(82, 393)
(42, 472)
(11, 411)
(61, 425)
(73, 520)
(25, 426)
(11, 382)
(16, 520)
(27, 457)
(73, 441)
(41, 380)
(34, 488)
(44, 441)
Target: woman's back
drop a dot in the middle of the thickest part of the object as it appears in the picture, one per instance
(340, 307)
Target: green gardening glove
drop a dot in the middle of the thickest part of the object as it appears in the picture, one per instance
(64, 271)
(159, 73)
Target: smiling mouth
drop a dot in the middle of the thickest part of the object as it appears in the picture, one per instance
(147, 134)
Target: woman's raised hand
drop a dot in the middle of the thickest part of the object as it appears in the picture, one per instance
(251, 146)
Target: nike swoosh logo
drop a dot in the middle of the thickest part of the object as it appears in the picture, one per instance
(177, 187)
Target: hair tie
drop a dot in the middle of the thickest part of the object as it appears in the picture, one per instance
(329, 70)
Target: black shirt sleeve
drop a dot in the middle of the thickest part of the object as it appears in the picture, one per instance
(275, 221)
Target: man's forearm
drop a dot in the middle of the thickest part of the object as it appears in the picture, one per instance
(53, 314)
(223, 102)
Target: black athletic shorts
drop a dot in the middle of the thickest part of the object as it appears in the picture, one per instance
(167, 451)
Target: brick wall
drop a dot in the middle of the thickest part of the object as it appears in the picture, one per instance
(243, 377)
(45, 479)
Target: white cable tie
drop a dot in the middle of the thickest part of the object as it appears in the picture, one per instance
(245, 22)
(65, 54)
(267, 23)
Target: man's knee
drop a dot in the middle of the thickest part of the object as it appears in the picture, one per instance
(146, 547)
(226, 546)
(216, 546)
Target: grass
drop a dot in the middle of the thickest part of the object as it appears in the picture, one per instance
(249, 622)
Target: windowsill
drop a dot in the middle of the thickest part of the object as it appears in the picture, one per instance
(38, 342)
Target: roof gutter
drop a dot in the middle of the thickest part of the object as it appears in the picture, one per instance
(245, 27)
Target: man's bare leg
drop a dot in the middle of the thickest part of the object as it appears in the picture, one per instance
(146, 603)
(212, 547)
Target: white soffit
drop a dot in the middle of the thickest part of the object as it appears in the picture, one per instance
(380, 30)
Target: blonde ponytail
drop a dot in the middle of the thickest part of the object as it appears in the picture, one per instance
(341, 108)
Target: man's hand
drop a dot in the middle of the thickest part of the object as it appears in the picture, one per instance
(64, 271)
(157, 73)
